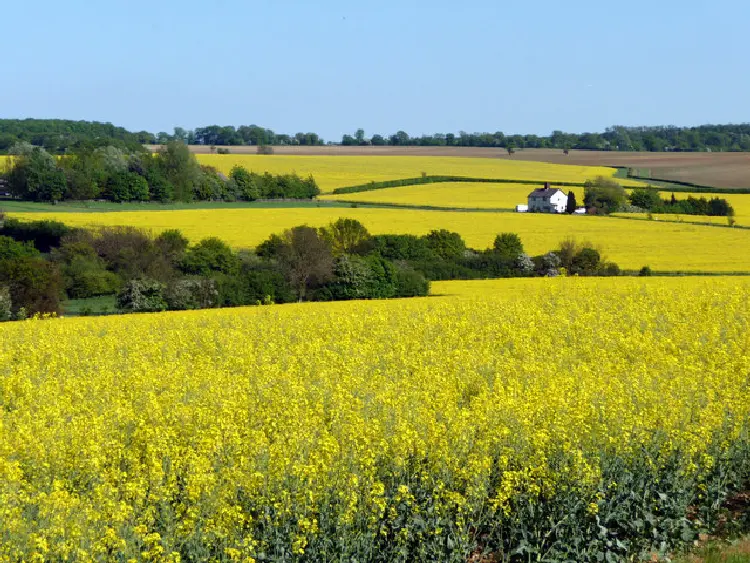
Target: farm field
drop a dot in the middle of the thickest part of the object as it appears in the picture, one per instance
(377, 430)
(632, 244)
(333, 172)
(723, 170)
(450, 195)
(507, 196)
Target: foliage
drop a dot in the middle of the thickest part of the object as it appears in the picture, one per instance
(508, 245)
(305, 259)
(603, 196)
(35, 285)
(186, 293)
(346, 236)
(11, 249)
(572, 204)
(209, 256)
(645, 198)
(409, 430)
(445, 244)
(84, 272)
(44, 235)
(6, 305)
(142, 295)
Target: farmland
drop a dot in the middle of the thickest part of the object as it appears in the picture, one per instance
(333, 172)
(425, 427)
(718, 169)
(632, 244)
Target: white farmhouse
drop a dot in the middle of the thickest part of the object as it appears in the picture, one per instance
(548, 200)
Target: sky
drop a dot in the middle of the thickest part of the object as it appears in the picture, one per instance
(331, 66)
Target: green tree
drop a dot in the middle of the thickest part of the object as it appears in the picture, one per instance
(246, 186)
(572, 204)
(210, 256)
(305, 258)
(35, 284)
(445, 244)
(345, 236)
(603, 195)
(645, 198)
(84, 272)
(11, 249)
(127, 186)
(585, 262)
(508, 245)
(180, 168)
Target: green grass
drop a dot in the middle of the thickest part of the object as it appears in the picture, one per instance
(90, 306)
(737, 551)
(10, 205)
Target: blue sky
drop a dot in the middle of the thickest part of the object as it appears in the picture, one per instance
(421, 66)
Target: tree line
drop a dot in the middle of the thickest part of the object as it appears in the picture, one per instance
(604, 195)
(116, 174)
(59, 136)
(43, 263)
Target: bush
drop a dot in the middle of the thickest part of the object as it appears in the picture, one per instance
(84, 272)
(10, 249)
(585, 262)
(188, 293)
(264, 149)
(142, 295)
(45, 235)
(410, 283)
(645, 271)
(6, 305)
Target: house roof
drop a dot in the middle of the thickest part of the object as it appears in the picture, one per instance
(545, 192)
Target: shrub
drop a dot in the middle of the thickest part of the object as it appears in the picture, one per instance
(35, 285)
(142, 295)
(6, 305)
(410, 283)
(45, 235)
(188, 293)
(645, 271)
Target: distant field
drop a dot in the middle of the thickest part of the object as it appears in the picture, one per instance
(450, 195)
(470, 195)
(333, 172)
(725, 170)
(632, 244)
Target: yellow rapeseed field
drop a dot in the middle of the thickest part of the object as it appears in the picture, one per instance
(632, 244)
(404, 430)
(338, 171)
(451, 195)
